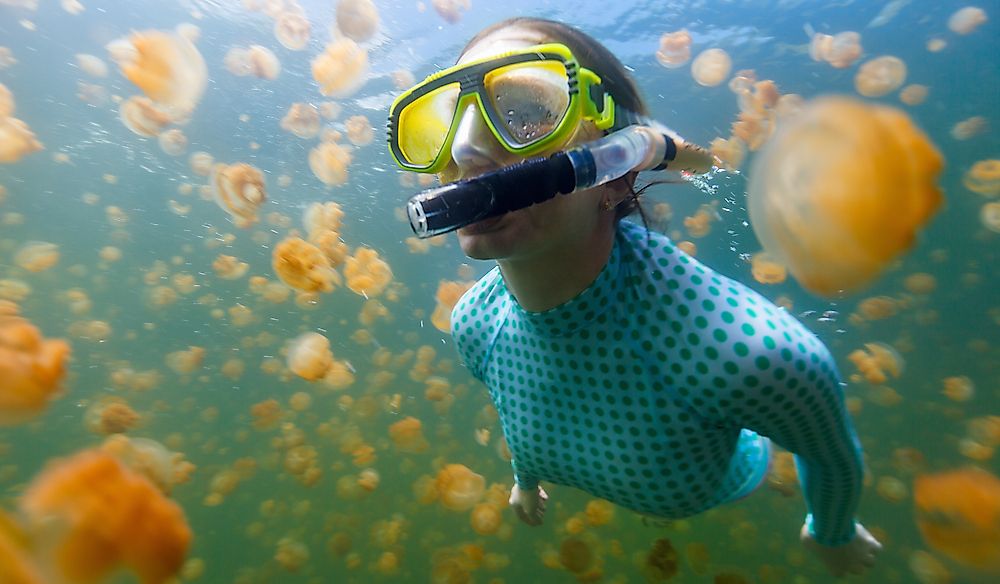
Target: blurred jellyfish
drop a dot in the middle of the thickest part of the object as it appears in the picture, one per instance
(458, 488)
(110, 415)
(239, 190)
(31, 367)
(292, 30)
(913, 94)
(309, 356)
(341, 69)
(201, 163)
(6, 102)
(37, 256)
(880, 76)
(321, 217)
(142, 116)
(766, 270)
(173, 142)
(958, 388)
(450, 9)
(407, 436)
(187, 361)
(661, 561)
(833, 220)
(303, 266)
(983, 178)
(16, 140)
(989, 216)
(150, 459)
(167, 67)
(819, 46)
(675, 49)
(965, 20)
(97, 516)
(447, 296)
(302, 120)
(840, 50)
(229, 267)
(958, 514)
(263, 63)
(329, 162)
(357, 19)
(359, 130)
(877, 361)
(711, 67)
(91, 65)
(575, 555)
(730, 152)
(969, 128)
(402, 79)
(366, 273)
(6, 58)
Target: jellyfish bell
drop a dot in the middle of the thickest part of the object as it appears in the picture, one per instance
(966, 20)
(303, 266)
(359, 130)
(92, 65)
(239, 190)
(32, 368)
(166, 66)
(142, 116)
(16, 140)
(841, 190)
(958, 514)
(357, 19)
(458, 488)
(844, 49)
(329, 161)
(309, 356)
(880, 76)
(711, 67)
(675, 49)
(6, 102)
(173, 142)
(263, 62)
(341, 69)
(292, 30)
(302, 119)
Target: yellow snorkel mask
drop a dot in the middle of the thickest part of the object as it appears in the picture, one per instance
(531, 99)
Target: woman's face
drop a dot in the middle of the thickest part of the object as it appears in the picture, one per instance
(561, 221)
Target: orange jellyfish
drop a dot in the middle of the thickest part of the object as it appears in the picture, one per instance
(841, 190)
(341, 69)
(407, 436)
(969, 128)
(6, 102)
(958, 514)
(989, 215)
(302, 120)
(16, 140)
(876, 362)
(303, 266)
(357, 19)
(965, 20)
(309, 356)
(7, 58)
(675, 49)
(239, 190)
(450, 9)
(201, 163)
(110, 416)
(321, 217)
(730, 152)
(486, 518)
(766, 270)
(359, 130)
(91, 65)
(150, 459)
(458, 488)
(292, 30)
(983, 178)
(229, 267)
(880, 76)
(173, 142)
(711, 67)
(913, 94)
(263, 62)
(844, 49)
(94, 515)
(187, 361)
(31, 367)
(167, 67)
(16, 561)
(329, 162)
(37, 256)
(661, 561)
(142, 116)
(366, 273)
(447, 297)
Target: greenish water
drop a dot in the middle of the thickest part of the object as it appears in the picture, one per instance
(954, 331)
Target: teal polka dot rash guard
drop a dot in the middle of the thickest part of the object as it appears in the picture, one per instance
(655, 387)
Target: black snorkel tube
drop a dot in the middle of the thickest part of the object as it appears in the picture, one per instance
(536, 180)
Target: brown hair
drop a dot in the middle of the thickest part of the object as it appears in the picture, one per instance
(591, 54)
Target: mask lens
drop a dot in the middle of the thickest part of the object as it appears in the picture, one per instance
(531, 99)
(424, 125)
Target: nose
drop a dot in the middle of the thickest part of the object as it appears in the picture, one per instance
(474, 147)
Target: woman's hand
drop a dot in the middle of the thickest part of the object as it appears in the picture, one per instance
(851, 558)
(529, 504)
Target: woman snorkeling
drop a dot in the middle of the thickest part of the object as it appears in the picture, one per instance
(617, 363)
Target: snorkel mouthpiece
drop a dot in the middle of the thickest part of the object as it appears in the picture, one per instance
(536, 180)
(455, 205)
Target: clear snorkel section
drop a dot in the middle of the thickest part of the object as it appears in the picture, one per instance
(634, 148)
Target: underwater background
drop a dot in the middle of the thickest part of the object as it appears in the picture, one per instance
(371, 514)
